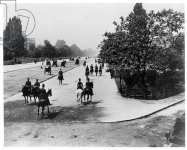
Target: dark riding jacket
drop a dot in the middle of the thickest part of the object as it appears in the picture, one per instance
(28, 84)
(37, 84)
(79, 85)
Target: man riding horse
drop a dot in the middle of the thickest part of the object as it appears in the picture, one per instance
(80, 84)
(87, 71)
(100, 70)
(89, 87)
(96, 69)
(84, 64)
(43, 94)
(91, 69)
(43, 99)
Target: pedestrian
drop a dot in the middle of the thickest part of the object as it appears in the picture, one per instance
(60, 76)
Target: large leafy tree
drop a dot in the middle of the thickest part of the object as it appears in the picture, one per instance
(144, 42)
(13, 40)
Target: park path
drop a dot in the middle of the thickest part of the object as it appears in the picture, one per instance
(113, 106)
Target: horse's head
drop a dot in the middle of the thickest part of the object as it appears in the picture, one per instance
(49, 92)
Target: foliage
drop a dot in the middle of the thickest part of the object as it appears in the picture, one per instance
(13, 40)
(143, 42)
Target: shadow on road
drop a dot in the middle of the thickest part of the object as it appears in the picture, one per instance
(17, 111)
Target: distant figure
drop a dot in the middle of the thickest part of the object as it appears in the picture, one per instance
(100, 70)
(91, 69)
(87, 71)
(96, 69)
(60, 76)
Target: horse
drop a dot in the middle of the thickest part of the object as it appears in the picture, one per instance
(63, 63)
(55, 63)
(87, 73)
(96, 71)
(48, 69)
(77, 61)
(84, 64)
(35, 92)
(26, 93)
(79, 95)
(87, 92)
(44, 101)
(100, 72)
(48, 63)
(91, 69)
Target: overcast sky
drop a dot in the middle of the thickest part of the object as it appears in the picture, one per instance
(82, 24)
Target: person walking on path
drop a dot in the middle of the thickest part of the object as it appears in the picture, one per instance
(60, 76)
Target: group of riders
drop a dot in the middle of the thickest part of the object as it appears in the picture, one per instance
(35, 90)
(90, 70)
(38, 91)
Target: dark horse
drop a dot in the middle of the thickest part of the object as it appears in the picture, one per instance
(87, 73)
(96, 70)
(55, 63)
(35, 92)
(26, 93)
(87, 92)
(100, 71)
(84, 64)
(48, 69)
(44, 101)
(63, 63)
(91, 70)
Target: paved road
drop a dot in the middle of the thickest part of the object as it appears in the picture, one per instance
(10, 68)
(106, 96)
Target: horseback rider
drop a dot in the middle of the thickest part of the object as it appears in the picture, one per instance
(89, 86)
(96, 69)
(87, 69)
(80, 84)
(91, 68)
(37, 84)
(28, 84)
(100, 69)
(43, 93)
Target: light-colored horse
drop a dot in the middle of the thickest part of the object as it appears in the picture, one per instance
(79, 95)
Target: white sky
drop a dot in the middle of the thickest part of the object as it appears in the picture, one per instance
(81, 23)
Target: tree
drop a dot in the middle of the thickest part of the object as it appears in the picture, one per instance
(49, 50)
(13, 39)
(143, 43)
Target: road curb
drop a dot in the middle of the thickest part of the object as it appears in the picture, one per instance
(148, 115)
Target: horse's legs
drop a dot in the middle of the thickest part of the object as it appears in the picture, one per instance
(30, 99)
(43, 110)
(38, 110)
(87, 98)
(48, 108)
(77, 97)
(25, 100)
(90, 98)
